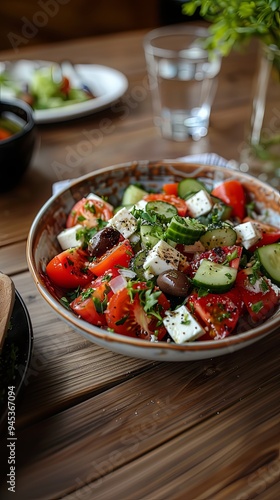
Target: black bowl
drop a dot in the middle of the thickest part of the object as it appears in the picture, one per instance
(16, 151)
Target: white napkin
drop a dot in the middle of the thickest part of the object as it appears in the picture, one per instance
(207, 159)
(203, 159)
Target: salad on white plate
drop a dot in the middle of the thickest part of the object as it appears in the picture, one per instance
(45, 87)
(61, 91)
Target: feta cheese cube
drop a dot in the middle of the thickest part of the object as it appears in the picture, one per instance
(124, 222)
(92, 196)
(182, 326)
(134, 238)
(140, 205)
(258, 286)
(199, 204)
(275, 288)
(196, 247)
(161, 258)
(68, 237)
(249, 233)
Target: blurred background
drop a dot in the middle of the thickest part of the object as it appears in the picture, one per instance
(40, 21)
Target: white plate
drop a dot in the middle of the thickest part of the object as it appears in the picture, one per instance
(106, 83)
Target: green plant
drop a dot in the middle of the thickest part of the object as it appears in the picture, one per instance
(234, 22)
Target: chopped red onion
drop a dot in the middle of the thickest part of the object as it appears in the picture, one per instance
(127, 273)
(118, 283)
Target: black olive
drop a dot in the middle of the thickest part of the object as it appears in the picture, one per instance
(103, 240)
(173, 282)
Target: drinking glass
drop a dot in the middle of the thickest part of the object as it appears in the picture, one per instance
(183, 80)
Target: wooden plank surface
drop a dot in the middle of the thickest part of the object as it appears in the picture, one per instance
(192, 417)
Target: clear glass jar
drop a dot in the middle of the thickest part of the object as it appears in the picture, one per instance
(262, 147)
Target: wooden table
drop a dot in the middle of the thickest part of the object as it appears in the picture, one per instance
(97, 425)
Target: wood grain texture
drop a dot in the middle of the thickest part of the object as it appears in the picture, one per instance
(169, 420)
(93, 424)
(48, 22)
(13, 257)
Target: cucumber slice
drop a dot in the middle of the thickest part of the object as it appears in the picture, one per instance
(137, 265)
(220, 237)
(132, 195)
(223, 210)
(150, 234)
(185, 230)
(189, 186)
(269, 257)
(162, 209)
(216, 278)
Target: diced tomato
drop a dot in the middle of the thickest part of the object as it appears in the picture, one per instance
(69, 269)
(126, 315)
(232, 193)
(4, 134)
(179, 203)
(257, 294)
(219, 255)
(171, 188)
(118, 256)
(88, 212)
(267, 239)
(91, 304)
(218, 313)
(65, 85)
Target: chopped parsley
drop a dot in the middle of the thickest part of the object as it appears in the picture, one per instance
(257, 306)
(87, 293)
(263, 285)
(122, 320)
(255, 274)
(202, 292)
(90, 207)
(224, 315)
(65, 302)
(100, 305)
(186, 320)
(81, 218)
(232, 256)
(150, 300)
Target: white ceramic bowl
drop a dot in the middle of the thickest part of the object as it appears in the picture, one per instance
(110, 182)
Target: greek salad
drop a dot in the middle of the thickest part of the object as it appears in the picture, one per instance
(47, 88)
(181, 265)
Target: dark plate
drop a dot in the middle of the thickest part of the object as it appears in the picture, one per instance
(16, 354)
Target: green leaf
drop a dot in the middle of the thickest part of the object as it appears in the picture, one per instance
(234, 22)
(100, 305)
(151, 299)
(257, 307)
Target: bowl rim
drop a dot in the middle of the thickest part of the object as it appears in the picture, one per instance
(19, 104)
(91, 331)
